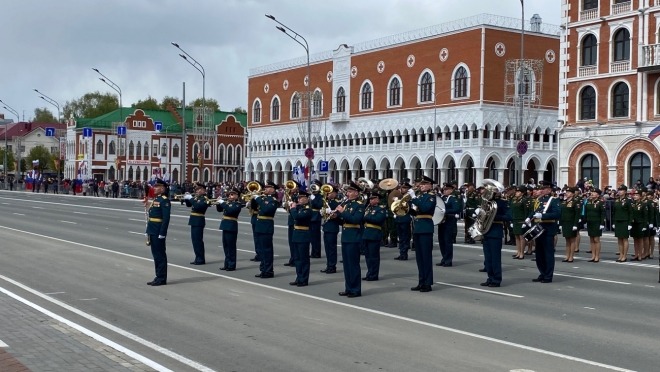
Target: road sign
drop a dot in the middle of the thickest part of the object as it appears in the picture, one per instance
(309, 153)
(522, 147)
(323, 166)
(121, 131)
(158, 125)
(87, 132)
(50, 132)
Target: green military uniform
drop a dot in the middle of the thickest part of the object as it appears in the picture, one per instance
(521, 208)
(472, 202)
(594, 214)
(639, 218)
(649, 213)
(654, 214)
(621, 215)
(571, 210)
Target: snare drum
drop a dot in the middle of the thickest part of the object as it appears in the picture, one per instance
(533, 233)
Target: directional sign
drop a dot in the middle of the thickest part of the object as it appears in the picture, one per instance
(309, 153)
(121, 131)
(158, 125)
(50, 132)
(522, 147)
(87, 132)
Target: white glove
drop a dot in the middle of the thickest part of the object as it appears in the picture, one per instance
(395, 198)
(528, 222)
(256, 197)
(644, 229)
(574, 228)
(412, 194)
(477, 211)
(188, 197)
(612, 226)
(524, 225)
(511, 225)
(538, 215)
(395, 216)
(585, 226)
(456, 216)
(220, 201)
(602, 227)
(629, 227)
(312, 197)
(285, 204)
(650, 226)
(442, 210)
(161, 236)
(328, 210)
(474, 215)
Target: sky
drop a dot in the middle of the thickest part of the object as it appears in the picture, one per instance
(52, 45)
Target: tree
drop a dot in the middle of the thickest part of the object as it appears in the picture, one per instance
(91, 105)
(148, 104)
(167, 100)
(240, 110)
(210, 102)
(10, 160)
(43, 155)
(24, 166)
(43, 115)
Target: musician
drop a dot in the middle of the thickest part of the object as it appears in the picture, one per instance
(448, 226)
(330, 232)
(459, 200)
(621, 216)
(265, 228)
(492, 242)
(159, 221)
(403, 227)
(302, 214)
(374, 218)
(353, 215)
(653, 223)
(571, 209)
(472, 202)
(230, 210)
(521, 207)
(197, 221)
(594, 214)
(423, 232)
(389, 227)
(509, 238)
(293, 194)
(316, 202)
(639, 221)
(253, 222)
(546, 212)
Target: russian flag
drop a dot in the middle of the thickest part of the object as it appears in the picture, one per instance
(654, 133)
(35, 163)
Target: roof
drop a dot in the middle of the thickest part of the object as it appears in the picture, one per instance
(23, 128)
(170, 123)
(419, 34)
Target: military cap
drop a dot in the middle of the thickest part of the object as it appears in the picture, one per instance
(317, 182)
(373, 195)
(406, 184)
(521, 189)
(270, 184)
(572, 189)
(353, 186)
(468, 184)
(233, 191)
(200, 186)
(405, 179)
(597, 190)
(544, 184)
(160, 182)
(623, 187)
(451, 185)
(638, 192)
(303, 193)
(644, 189)
(418, 179)
(335, 189)
(453, 182)
(427, 179)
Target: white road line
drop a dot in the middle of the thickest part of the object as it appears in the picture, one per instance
(37, 207)
(73, 223)
(2, 344)
(88, 299)
(594, 279)
(590, 308)
(6, 203)
(245, 250)
(321, 299)
(79, 212)
(133, 232)
(19, 214)
(54, 293)
(480, 290)
(135, 219)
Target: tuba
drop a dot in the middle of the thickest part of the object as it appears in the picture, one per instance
(253, 189)
(484, 219)
(366, 186)
(325, 189)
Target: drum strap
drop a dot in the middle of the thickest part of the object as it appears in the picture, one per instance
(548, 204)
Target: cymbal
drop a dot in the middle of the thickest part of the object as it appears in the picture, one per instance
(388, 184)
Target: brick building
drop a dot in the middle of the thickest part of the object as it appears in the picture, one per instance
(610, 70)
(144, 151)
(376, 104)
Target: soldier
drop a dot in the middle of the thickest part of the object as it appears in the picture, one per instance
(293, 194)
(302, 215)
(330, 232)
(546, 212)
(571, 209)
(374, 218)
(229, 226)
(472, 202)
(520, 209)
(316, 203)
(197, 222)
(639, 223)
(253, 222)
(594, 214)
(492, 241)
(446, 229)
(390, 224)
(458, 199)
(403, 227)
(159, 221)
(654, 214)
(353, 215)
(509, 237)
(265, 228)
(422, 207)
(621, 216)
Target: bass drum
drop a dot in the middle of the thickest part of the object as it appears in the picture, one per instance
(533, 233)
(438, 213)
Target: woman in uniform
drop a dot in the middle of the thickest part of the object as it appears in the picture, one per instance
(520, 209)
(621, 215)
(594, 214)
(571, 208)
(639, 223)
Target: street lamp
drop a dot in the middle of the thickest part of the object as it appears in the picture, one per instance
(282, 27)
(117, 89)
(521, 136)
(52, 102)
(4, 161)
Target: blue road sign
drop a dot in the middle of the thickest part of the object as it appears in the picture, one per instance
(50, 132)
(121, 131)
(323, 166)
(87, 132)
(158, 125)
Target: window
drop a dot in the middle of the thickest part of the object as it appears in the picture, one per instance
(122, 147)
(195, 175)
(395, 92)
(239, 155)
(256, 112)
(590, 168)
(221, 154)
(460, 83)
(589, 4)
(366, 97)
(207, 151)
(155, 147)
(138, 174)
(145, 174)
(163, 151)
(451, 171)
(622, 45)
(230, 152)
(206, 175)
(426, 88)
(146, 150)
(620, 97)
(317, 104)
(138, 149)
(131, 149)
(589, 50)
(99, 147)
(588, 104)
(54, 149)
(111, 148)
(175, 151)
(175, 175)
(341, 100)
(640, 168)
(295, 106)
(130, 172)
(275, 115)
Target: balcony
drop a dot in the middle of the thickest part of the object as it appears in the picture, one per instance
(619, 66)
(584, 71)
(588, 14)
(339, 117)
(621, 7)
(650, 54)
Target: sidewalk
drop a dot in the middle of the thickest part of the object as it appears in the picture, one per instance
(37, 343)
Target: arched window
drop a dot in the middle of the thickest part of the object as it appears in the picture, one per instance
(469, 171)
(492, 169)
(207, 151)
(295, 106)
(589, 4)
(146, 150)
(138, 174)
(239, 155)
(175, 175)
(620, 100)
(588, 103)
(230, 152)
(426, 88)
(460, 83)
(256, 112)
(155, 150)
(131, 148)
(111, 173)
(451, 171)
(175, 151)
(111, 148)
(589, 50)
(622, 45)
(395, 92)
(99, 147)
(221, 154)
(196, 153)
(195, 175)
(317, 104)
(130, 173)
(341, 100)
(590, 168)
(275, 114)
(138, 149)
(206, 175)
(145, 174)
(640, 168)
(366, 97)
(163, 150)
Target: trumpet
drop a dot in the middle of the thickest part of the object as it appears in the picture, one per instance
(179, 196)
(400, 207)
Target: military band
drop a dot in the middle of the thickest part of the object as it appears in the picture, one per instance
(330, 232)
(352, 213)
(423, 210)
(403, 228)
(316, 203)
(302, 215)
(158, 212)
(265, 228)
(230, 210)
(447, 228)
(374, 218)
(197, 221)
(546, 213)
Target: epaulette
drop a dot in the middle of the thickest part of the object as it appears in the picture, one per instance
(431, 193)
(307, 207)
(164, 196)
(359, 202)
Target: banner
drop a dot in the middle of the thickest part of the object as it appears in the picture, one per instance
(35, 163)
(299, 176)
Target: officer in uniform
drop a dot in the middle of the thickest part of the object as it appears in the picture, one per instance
(571, 209)
(159, 221)
(422, 207)
(265, 228)
(390, 224)
(403, 227)
(253, 222)
(446, 229)
(230, 210)
(472, 202)
(492, 241)
(374, 218)
(594, 214)
(621, 216)
(520, 209)
(353, 215)
(546, 212)
(316, 202)
(457, 198)
(509, 238)
(330, 232)
(653, 223)
(302, 215)
(290, 223)
(639, 223)
(197, 222)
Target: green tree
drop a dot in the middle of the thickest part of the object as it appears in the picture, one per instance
(210, 102)
(167, 100)
(148, 104)
(24, 166)
(43, 115)
(91, 105)
(44, 156)
(10, 160)
(240, 110)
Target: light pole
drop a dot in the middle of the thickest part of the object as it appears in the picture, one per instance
(295, 37)
(59, 121)
(117, 89)
(4, 161)
(521, 87)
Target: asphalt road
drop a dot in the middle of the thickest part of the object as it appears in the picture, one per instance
(90, 253)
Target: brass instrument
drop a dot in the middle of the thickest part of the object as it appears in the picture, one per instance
(179, 196)
(289, 186)
(366, 186)
(325, 189)
(484, 219)
(400, 207)
(146, 215)
(314, 188)
(253, 189)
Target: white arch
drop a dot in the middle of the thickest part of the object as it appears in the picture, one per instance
(279, 109)
(496, 157)
(387, 95)
(453, 79)
(261, 110)
(373, 95)
(382, 162)
(428, 161)
(464, 159)
(419, 87)
(610, 102)
(536, 160)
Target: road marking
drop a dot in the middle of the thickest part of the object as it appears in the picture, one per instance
(73, 223)
(19, 214)
(54, 293)
(650, 286)
(245, 250)
(6, 203)
(480, 290)
(37, 207)
(79, 212)
(321, 299)
(135, 219)
(88, 299)
(590, 308)
(2, 344)
(133, 232)
(594, 279)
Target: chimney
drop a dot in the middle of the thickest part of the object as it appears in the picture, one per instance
(536, 23)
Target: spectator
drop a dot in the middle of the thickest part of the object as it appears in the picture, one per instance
(651, 185)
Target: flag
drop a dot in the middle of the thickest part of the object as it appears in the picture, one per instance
(654, 133)
(35, 163)
(299, 176)
(166, 177)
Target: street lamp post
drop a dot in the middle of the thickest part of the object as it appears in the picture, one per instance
(521, 136)
(117, 89)
(4, 161)
(295, 37)
(59, 120)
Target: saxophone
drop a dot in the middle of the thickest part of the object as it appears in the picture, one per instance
(488, 207)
